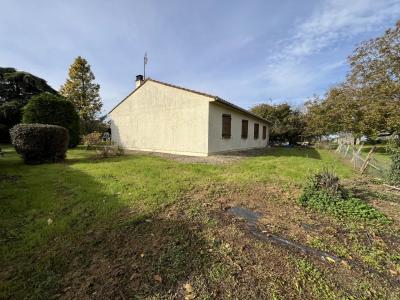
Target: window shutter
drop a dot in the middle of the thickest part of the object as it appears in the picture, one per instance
(245, 128)
(256, 130)
(264, 132)
(226, 126)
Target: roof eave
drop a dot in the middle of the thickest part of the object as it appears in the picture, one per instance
(242, 110)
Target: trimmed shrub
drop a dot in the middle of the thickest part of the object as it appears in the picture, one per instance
(51, 109)
(324, 193)
(395, 168)
(39, 143)
(4, 134)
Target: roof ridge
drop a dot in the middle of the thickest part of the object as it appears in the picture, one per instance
(216, 98)
(183, 88)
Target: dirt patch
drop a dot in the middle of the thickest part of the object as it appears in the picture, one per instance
(226, 158)
(196, 249)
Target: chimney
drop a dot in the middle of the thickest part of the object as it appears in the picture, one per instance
(139, 80)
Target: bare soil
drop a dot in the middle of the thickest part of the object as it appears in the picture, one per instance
(197, 249)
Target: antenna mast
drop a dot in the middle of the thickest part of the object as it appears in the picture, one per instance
(144, 65)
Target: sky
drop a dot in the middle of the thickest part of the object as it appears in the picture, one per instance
(246, 52)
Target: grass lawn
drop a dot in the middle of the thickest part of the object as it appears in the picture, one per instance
(145, 227)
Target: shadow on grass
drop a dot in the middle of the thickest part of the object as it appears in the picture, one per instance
(143, 259)
(63, 235)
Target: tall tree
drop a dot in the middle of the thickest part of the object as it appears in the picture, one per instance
(16, 88)
(368, 101)
(81, 89)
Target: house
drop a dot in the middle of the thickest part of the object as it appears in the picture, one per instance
(162, 117)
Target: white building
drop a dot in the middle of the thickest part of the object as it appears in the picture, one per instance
(162, 117)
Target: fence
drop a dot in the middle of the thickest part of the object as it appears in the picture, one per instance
(369, 164)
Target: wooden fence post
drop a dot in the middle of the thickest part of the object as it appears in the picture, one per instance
(347, 150)
(366, 162)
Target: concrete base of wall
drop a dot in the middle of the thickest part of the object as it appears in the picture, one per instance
(195, 153)
(168, 151)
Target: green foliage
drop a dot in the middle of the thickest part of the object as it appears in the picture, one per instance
(324, 193)
(38, 143)
(367, 102)
(51, 109)
(81, 90)
(91, 140)
(395, 168)
(16, 88)
(286, 123)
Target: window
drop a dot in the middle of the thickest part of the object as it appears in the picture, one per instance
(226, 126)
(256, 130)
(245, 128)
(264, 132)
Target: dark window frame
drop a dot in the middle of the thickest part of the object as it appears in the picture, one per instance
(256, 131)
(226, 126)
(245, 129)
(264, 133)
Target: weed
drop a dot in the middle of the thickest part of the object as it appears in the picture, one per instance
(324, 193)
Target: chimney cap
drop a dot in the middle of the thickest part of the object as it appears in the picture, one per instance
(139, 77)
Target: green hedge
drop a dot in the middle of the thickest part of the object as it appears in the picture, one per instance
(39, 143)
(51, 109)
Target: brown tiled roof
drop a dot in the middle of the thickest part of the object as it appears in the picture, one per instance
(216, 98)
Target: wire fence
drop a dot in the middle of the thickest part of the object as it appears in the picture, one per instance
(365, 163)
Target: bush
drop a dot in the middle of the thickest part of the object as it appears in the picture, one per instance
(324, 193)
(92, 139)
(38, 143)
(109, 151)
(51, 109)
(395, 168)
(4, 134)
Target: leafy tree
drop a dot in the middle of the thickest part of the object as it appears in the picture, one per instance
(51, 109)
(368, 101)
(81, 90)
(286, 124)
(16, 88)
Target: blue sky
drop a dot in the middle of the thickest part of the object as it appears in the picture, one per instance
(247, 52)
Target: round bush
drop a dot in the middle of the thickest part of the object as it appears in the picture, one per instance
(51, 109)
(38, 143)
(4, 134)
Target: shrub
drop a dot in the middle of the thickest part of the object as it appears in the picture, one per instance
(38, 143)
(395, 168)
(324, 193)
(4, 134)
(51, 109)
(109, 151)
(92, 139)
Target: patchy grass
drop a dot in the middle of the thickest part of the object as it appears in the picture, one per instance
(147, 227)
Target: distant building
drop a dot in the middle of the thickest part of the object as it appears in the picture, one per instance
(162, 117)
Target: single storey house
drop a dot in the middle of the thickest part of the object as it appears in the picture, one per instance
(162, 117)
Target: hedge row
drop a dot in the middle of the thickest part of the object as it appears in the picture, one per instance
(51, 109)
(38, 143)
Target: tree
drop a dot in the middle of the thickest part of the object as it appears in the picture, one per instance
(287, 124)
(368, 101)
(16, 88)
(51, 109)
(375, 78)
(82, 91)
